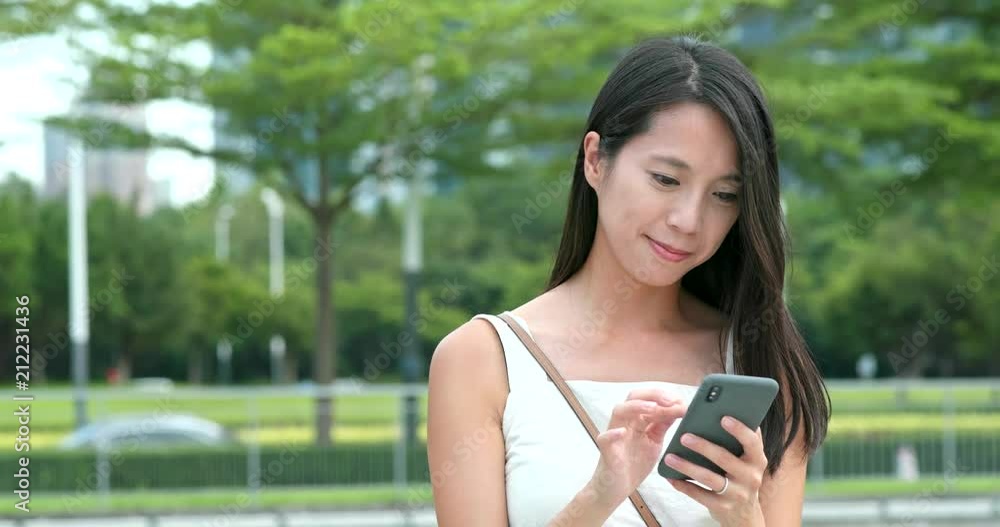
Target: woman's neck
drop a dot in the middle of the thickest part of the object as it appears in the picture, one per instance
(616, 302)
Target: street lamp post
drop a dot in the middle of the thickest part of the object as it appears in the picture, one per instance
(79, 318)
(276, 242)
(412, 267)
(223, 348)
(412, 249)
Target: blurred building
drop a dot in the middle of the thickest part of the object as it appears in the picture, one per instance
(119, 172)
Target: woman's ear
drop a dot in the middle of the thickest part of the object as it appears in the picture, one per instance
(593, 168)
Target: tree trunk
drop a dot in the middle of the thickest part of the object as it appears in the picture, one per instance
(291, 368)
(196, 367)
(324, 360)
(124, 367)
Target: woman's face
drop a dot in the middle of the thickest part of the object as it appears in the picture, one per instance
(676, 185)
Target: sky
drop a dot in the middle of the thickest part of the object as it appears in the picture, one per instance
(41, 78)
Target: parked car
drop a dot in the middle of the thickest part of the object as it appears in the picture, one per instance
(149, 430)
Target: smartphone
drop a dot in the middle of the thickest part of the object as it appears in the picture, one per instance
(743, 397)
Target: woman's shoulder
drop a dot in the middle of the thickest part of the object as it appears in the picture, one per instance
(470, 357)
(471, 342)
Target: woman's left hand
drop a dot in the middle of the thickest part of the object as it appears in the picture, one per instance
(738, 505)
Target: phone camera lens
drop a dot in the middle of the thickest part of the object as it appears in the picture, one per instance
(713, 393)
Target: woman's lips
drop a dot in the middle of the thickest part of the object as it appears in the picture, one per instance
(667, 252)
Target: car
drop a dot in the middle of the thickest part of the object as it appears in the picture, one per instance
(153, 384)
(148, 430)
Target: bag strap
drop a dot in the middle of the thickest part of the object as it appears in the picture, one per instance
(574, 403)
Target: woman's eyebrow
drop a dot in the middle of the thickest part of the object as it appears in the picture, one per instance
(679, 163)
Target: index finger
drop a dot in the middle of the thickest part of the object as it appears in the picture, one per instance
(752, 440)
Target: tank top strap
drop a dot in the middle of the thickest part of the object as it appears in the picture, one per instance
(522, 368)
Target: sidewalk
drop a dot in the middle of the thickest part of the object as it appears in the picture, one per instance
(968, 511)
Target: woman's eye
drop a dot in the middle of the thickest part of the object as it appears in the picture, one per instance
(664, 180)
(728, 197)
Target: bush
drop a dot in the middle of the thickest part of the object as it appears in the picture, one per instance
(349, 464)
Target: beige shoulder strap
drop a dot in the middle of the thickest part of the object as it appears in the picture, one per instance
(574, 403)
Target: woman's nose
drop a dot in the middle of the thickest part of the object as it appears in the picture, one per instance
(685, 215)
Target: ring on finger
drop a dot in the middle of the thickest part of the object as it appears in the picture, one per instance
(724, 487)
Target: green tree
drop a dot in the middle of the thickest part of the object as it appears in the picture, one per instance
(18, 224)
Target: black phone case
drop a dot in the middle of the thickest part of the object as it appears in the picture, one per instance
(744, 397)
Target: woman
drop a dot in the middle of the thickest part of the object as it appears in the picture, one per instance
(671, 266)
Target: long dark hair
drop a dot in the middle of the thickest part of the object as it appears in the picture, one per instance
(745, 278)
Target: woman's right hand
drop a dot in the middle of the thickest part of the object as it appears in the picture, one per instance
(633, 443)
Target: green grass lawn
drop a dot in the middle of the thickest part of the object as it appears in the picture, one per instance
(887, 397)
(869, 488)
(215, 500)
(925, 423)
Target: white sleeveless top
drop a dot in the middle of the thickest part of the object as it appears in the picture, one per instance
(550, 456)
